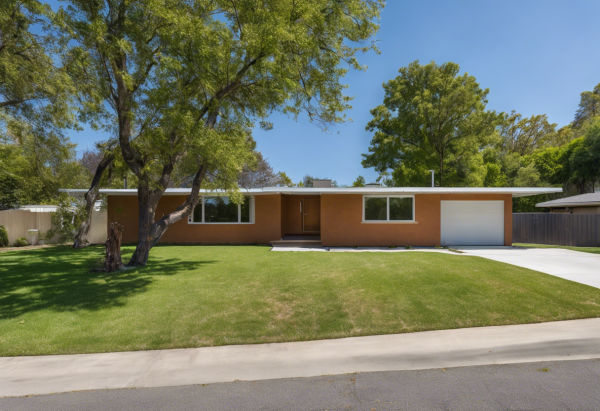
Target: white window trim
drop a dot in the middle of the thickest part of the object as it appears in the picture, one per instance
(388, 221)
(239, 221)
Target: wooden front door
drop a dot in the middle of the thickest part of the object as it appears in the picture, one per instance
(311, 214)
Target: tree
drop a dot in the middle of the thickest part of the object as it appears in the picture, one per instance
(33, 168)
(359, 182)
(35, 94)
(284, 179)
(431, 118)
(186, 81)
(589, 107)
(525, 135)
(259, 175)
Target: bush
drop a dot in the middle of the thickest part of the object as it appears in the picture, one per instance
(3, 237)
(66, 219)
(21, 242)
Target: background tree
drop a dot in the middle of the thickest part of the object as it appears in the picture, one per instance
(284, 179)
(359, 182)
(431, 118)
(260, 175)
(525, 135)
(186, 81)
(33, 168)
(589, 107)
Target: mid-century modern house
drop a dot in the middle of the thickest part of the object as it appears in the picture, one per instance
(582, 204)
(329, 216)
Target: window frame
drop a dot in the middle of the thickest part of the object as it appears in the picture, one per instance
(201, 203)
(388, 221)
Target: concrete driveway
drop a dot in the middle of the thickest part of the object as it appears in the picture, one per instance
(571, 265)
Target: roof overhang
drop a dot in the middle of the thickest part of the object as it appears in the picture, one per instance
(514, 191)
(563, 205)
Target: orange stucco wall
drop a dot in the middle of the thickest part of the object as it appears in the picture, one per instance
(277, 215)
(266, 228)
(341, 221)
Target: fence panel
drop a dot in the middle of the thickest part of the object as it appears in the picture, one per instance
(581, 230)
(17, 222)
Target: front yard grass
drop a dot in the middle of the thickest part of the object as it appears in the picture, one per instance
(593, 250)
(192, 296)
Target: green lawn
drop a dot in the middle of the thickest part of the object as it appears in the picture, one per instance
(593, 250)
(192, 296)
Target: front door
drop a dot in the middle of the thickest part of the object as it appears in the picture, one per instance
(311, 214)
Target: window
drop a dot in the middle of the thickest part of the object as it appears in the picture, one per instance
(387, 208)
(220, 210)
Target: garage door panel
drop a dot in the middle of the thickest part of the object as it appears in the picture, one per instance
(472, 222)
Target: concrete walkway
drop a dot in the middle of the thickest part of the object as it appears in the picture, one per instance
(571, 265)
(579, 339)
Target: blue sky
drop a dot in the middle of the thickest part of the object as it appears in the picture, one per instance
(535, 56)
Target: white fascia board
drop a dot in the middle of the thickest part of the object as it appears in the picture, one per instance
(514, 191)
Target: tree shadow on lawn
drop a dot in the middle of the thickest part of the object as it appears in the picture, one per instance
(60, 279)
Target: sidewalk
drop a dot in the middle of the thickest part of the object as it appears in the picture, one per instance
(565, 340)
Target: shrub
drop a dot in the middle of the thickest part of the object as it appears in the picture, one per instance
(66, 219)
(3, 237)
(21, 242)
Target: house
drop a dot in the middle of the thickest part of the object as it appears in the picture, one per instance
(581, 204)
(328, 216)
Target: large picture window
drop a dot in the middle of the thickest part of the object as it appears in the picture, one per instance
(221, 210)
(388, 209)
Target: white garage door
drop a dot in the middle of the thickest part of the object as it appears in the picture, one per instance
(472, 223)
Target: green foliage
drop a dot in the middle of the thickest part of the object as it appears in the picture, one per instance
(3, 236)
(432, 118)
(36, 95)
(525, 135)
(284, 179)
(21, 242)
(359, 182)
(232, 60)
(589, 107)
(66, 219)
(33, 168)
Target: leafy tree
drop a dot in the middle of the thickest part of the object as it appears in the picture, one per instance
(186, 81)
(431, 118)
(589, 107)
(33, 168)
(359, 182)
(35, 94)
(284, 179)
(524, 135)
(260, 174)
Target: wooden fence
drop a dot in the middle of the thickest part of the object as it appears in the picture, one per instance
(17, 222)
(582, 230)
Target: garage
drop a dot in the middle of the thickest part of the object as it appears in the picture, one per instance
(472, 223)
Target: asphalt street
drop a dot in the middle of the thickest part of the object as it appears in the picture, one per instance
(560, 385)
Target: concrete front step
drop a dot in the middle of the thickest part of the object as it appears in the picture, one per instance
(296, 243)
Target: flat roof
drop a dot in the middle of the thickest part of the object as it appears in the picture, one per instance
(514, 191)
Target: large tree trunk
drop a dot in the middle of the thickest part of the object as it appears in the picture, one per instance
(149, 232)
(81, 238)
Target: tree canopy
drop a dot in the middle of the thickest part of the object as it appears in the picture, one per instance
(184, 82)
(432, 117)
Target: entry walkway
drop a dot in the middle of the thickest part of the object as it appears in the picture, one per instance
(566, 340)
